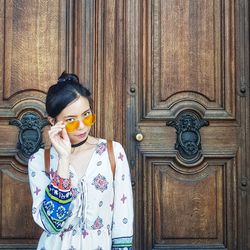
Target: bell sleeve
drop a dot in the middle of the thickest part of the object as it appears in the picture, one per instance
(51, 195)
(123, 215)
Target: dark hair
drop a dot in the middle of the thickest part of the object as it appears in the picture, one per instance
(67, 89)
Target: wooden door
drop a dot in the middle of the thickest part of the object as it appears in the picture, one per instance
(189, 101)
(147, 63)
(39, 39)
(33, 50)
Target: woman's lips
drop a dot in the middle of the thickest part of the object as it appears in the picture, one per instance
(81, 135)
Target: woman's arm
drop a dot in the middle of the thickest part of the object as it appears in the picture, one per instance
(51, 196)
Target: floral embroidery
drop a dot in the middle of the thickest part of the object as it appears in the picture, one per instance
(125, 221)
(100, 203)
(74, 192)
(49, 206)
(101, 147)
(33, 174)
(66, 183)
(99, 163)
(121, 156)
(52, 173)
(37, 190)
(100, 182)
(112, 206)
(34, 210)
(66, 230)
(123, 177)
(84, 234)
(123, 198)
(98, 223)
(61, 212)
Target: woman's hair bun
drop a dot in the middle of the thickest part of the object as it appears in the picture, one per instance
(66, 90)
(65, 77)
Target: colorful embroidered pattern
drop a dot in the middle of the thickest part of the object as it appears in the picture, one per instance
(61, 212)
(63, 184)
(49, 206)
(118, 243)
(101, 147)
(79, 210)
(56, 204)
(100, 182)
(74, 192)
(98, 223)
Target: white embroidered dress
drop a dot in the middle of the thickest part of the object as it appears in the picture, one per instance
(93, 213)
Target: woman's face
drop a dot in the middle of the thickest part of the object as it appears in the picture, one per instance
(77, 110)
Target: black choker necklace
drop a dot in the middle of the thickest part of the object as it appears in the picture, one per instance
(79, 144)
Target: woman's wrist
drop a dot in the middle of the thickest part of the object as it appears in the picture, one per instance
(63, 167)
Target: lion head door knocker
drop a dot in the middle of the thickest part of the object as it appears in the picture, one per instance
(188, 141)
(30, 135)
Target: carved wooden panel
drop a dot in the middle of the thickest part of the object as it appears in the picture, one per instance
(190, 51)
(17, 221)
(189, 209)
(34, 50)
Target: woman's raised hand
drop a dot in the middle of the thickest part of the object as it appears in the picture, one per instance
(60, 140)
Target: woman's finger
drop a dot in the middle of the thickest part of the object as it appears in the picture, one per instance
(55, 133)
(65, 134)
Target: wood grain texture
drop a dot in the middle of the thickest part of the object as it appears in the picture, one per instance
(17, 221)
(32, 42)
(109, 82)
(189, 50)
(188, 60)
(34, 49)
(145, 62)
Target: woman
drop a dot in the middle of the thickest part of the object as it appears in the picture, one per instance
(79, 205)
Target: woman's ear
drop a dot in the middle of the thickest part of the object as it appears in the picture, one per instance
(51, 120)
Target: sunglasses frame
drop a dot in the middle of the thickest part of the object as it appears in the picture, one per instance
(77, 123)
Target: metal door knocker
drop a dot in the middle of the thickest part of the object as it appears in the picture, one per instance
(188, 141)
(30, 135)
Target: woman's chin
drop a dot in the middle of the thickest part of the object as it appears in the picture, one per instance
(78, 138)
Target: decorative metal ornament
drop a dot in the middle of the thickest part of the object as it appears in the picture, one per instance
(188, 141)
(30, 135)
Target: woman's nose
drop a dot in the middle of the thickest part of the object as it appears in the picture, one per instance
(81, 124)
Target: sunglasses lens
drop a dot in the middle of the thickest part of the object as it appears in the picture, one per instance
(72, 126)
(89, 120)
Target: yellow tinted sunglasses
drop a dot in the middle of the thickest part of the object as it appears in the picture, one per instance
(71, 126)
